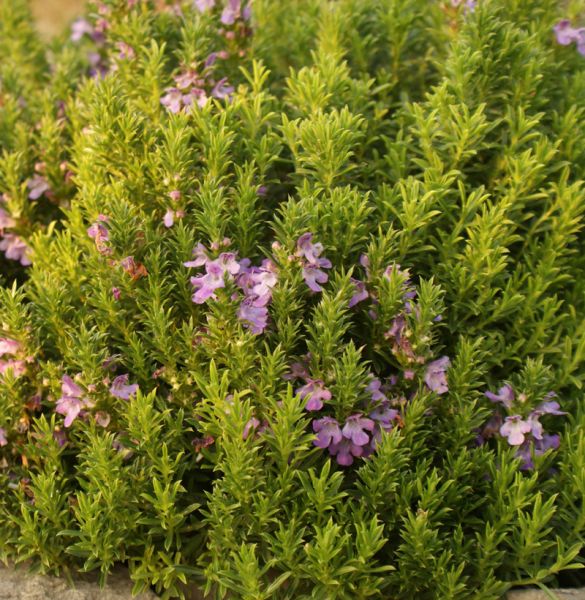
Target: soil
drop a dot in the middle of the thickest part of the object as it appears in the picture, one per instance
(52, 16)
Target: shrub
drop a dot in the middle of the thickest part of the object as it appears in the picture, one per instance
(305, 313)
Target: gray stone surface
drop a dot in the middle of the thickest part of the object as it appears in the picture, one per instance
(576, 594)
(19, 584)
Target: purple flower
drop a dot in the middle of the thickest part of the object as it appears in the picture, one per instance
(535, 426)
(313, 276)
(60, 437)
(172, 100)
(116, 293)
(515, 429)
(3, 440)
(566, 34)
(227, 261)
(309, 251)
(316, 391)
(121, 389)
(70, 388)
(360, 294)
(524, 453)
(312, 264)
(354, 429)
(375, 389)
(548, 442)
(345, 451)
(100, 234)
(98, 231)
(37, 186)
(549, 408)
(222, 89)
(490, 429)
(231, 12)
(206, 285)
(195, 97)
(435, 376)
(188, 79)
(505, 396)
(581, 42)
(298, 370)
(15, 249)
(204, 5)
(328, 432)
(384, 416)
(255, 318)
(79, 28)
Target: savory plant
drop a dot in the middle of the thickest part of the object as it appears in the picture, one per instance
(293, 296)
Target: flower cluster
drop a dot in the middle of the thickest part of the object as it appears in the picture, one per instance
(566, 34)
(399, 333)
(360, 432)
(256, 283)
(74, 401)
(522, 429)
(193, 88)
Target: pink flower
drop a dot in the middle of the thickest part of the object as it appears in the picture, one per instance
(3, 440)
(15, 249)
(37, 185)
(8, 346)
(72, 400)
(172, 100)
(125, 51)
(102, 418)
(79, 28)
(204, 5)
(6, 220)
(16, 367)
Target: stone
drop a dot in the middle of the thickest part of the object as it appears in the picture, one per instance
(19, 584)
(567, 594)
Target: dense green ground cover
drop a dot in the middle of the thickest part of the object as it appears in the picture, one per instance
(293, 296)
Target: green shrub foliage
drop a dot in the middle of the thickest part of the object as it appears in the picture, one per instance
(293, 296)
